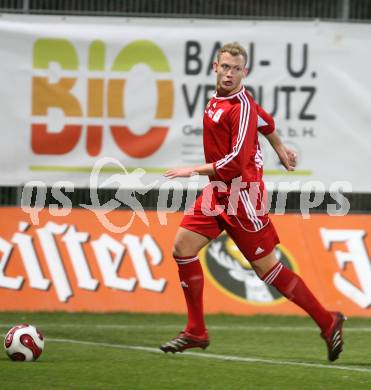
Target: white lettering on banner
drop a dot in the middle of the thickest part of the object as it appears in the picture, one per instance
(29, 258)
(74, 241)
(358, 257)
(7, 281)
(138, 250)
(109, 255)
(53, 259)
(103, 247)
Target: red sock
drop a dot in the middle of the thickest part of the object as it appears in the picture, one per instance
(293, 287)
(192, 281)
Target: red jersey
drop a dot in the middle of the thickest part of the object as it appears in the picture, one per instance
(231, 126)
(231, 141)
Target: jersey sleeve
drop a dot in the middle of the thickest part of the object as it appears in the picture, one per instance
(241, 121)
(266, 123)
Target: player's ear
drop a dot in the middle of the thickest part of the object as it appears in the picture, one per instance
(215, 66)
(245, 72)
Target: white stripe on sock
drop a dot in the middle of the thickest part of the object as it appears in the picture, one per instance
(187, 260)
(270, 278)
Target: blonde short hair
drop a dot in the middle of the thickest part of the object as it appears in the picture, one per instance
(234, 49)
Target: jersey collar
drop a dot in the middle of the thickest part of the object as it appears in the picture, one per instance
(239, 93)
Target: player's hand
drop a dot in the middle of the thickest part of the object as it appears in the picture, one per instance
(180, 172)
(287, 157)
(291, 155)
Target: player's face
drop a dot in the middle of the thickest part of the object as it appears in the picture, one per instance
(230, 70)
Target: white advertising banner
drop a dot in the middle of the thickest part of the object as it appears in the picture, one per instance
(74, 90)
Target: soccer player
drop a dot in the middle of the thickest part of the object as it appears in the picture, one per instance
(235, 201)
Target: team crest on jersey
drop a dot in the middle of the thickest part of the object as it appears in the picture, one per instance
(231, 273)
(217, 115)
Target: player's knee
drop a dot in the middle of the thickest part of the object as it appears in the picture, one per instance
(182, 249)
(179, 250)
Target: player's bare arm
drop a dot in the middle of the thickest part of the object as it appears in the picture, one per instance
(205, 169)
(286, 155)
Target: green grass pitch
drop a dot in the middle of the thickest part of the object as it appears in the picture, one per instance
(120, 351)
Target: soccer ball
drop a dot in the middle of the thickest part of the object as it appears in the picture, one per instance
(24, 342)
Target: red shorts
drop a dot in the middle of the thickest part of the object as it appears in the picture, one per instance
(252, 232)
